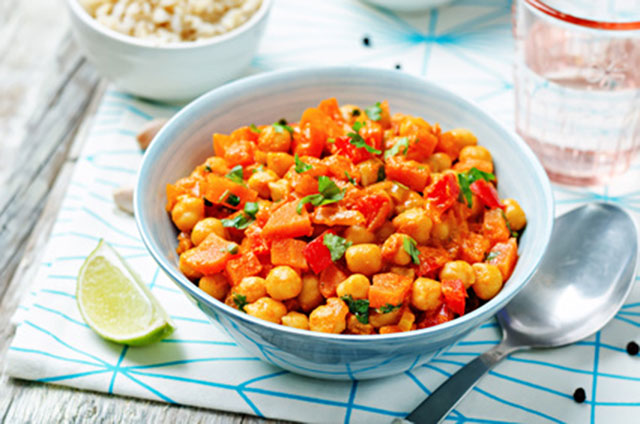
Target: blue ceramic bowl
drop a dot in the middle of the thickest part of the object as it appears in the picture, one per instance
(186, 141)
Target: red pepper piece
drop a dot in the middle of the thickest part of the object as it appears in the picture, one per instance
(439, 316)
(487, 193)
(317, 254)
(375, 208)
(443, 193)
(356, 154)
(454, 295)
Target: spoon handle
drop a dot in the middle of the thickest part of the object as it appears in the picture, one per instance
(438, 405)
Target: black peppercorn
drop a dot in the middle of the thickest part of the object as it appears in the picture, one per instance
(579, 395)
(633, 348)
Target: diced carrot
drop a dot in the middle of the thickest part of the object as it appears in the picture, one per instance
(303, 184)
(372, 134)
(388, 288)
(246, 265)
(447, 143)
(474, 247)
(385, 115)
(335, 215)
(505, 258)
(191, 185)
(431, 260)
(389, 329)
(220, 143)
(408, 172)
(210, 256)
(315, 127)
(422, 141)
(219, 188)
(286, 222)
(482, 165)
(340, 166)
(239, 152)
(329, 280)
(331, 108)
(254, 242)
(494, 226)
(245, 133)
(289, 252)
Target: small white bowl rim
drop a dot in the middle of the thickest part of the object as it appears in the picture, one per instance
(83, 15)
(197, 293)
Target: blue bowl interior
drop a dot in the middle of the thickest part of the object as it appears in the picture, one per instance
(186, 141)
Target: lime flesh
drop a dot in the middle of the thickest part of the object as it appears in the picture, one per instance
(115, 303)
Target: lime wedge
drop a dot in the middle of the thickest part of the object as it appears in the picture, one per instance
(115, 303)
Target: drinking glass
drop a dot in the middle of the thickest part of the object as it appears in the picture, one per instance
(577, 85)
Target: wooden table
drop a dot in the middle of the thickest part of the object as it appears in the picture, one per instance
(47, 92)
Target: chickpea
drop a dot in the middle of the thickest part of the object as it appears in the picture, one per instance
(270, 140)
(350, 112)
(253, 288)
(356, 327)
(296, 320)
(405, 272)
(283, 283)
(412, 200)
(406, 320)
(379, 320)
(515, 215)
(393, 250)
(279, 162)
(463, 137)
(358, 234)
(439, 162)
(357, 286)
(329, 318)
(310, 296)
(267, 309)
(458, 270)
(217, 165)
(205, 227)
(364, 258)
(187, 212)
(385, 231)
(215, 286)
(426, 294)
(441, 231)
(279, 189)
(488, 280)
(415, 223)
(369, 170)
(475, 152)
(186, 268)
(260, 182)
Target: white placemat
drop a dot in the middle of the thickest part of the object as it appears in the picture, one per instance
(467, 48)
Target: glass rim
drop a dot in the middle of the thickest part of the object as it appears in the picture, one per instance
(543, 7)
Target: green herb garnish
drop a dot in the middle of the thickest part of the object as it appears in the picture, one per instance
(240, 221)
(251, 209)
(410, 246)
(235, 174)
(402, 143)
(331, 140)
(355, 112)
(357, 125)
(388, 308)
(465, 180)
(207, 202)
(260, 168)
(329, 192)
(301, 166)
(240, 300)
(350, 178)
(254, 129)
(357, 140)
(492, 256)
(359, 308)
(232, 200)
(374, 112)
(208, 168)
(401, 185)
(231, 248)
(336, 245)
(282, 128)
(506, 221)
(382, 174)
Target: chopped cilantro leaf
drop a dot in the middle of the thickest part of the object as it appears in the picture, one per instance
(235, 174)
(355, 113)
(357, 140)
(465, 180)
(350, 178)
(401, 185)
(329, 192)
(231, 248)
(388, 308)
(491, 256)
(357, 125)
(410, 246)
(259, 168)
(223, 196)
(281, 128)
(251, 209)
(240, 300)
(374, 112)
(336, 245)
(240, 221)
(208, 168)
(506, 221)
(402, 143)
(254, 129)
(359, 308)
(382, 174)
(232, 200)
(301, 166)
(207, 202)
(331, 140)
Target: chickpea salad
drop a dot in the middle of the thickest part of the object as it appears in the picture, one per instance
(351, 220)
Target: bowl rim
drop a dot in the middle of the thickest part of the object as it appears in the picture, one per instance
(202, 102)
(78, 10)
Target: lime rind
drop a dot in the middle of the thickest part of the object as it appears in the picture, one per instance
(105, 265)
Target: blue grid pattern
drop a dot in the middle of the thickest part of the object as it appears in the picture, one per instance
(467, 48)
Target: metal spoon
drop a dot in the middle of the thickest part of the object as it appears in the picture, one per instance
(583, 280)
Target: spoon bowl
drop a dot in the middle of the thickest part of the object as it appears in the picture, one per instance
(584, 278)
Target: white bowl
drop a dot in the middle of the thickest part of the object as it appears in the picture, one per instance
(171, 72)
(407, 6)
